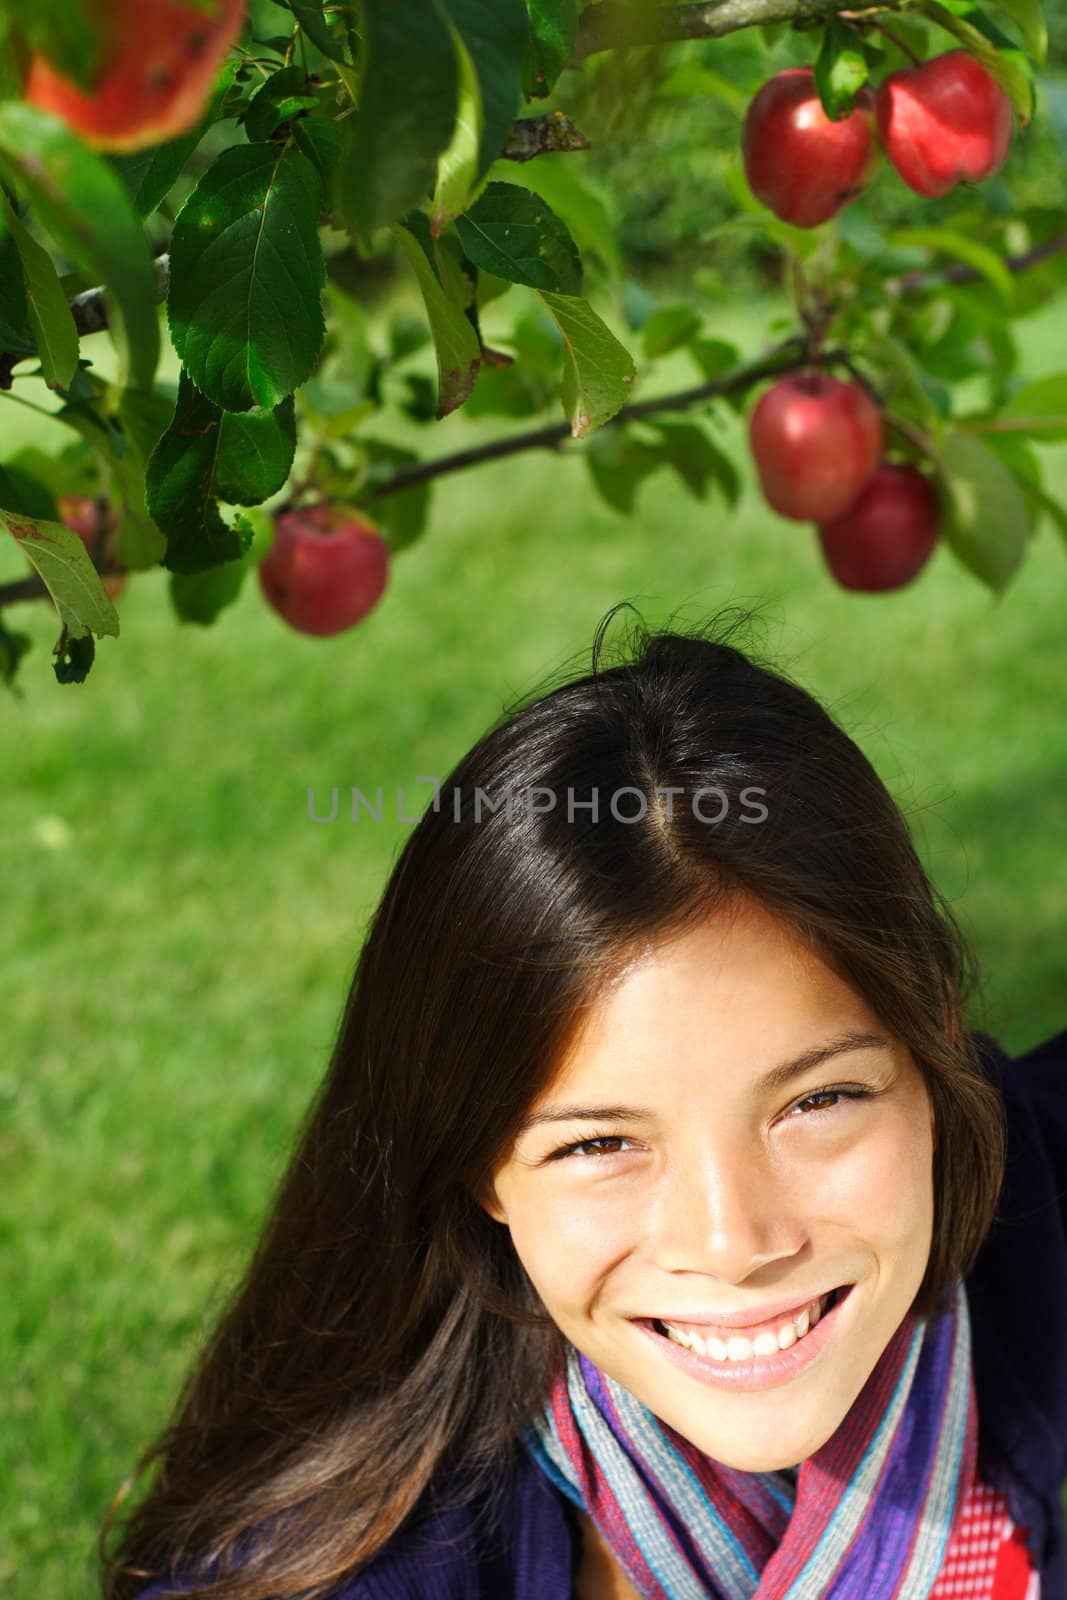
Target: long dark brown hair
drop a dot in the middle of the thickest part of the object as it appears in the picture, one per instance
(385, 1332)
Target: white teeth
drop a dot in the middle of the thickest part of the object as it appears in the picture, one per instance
(738, 1348)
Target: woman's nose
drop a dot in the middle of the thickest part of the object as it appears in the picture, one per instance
(723, 1214)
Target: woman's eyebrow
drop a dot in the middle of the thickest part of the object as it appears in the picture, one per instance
(776, 1078)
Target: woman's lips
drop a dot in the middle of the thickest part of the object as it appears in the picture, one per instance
(756, 1372)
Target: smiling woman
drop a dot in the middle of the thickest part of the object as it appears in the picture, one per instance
(660, 1227)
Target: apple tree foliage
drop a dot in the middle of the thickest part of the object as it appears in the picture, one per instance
(471, 145)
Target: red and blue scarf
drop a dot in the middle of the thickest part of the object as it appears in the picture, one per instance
(891, 1507)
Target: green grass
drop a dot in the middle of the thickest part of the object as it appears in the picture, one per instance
(178, 936)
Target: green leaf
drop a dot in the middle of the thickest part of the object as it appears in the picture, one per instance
(16, 334)
(840, 69)
(597, 369)
(555, 178)
(495, 34)
(1029, 19)
(618, 464)
(946, 241)
(280, 97)
(81, 201)
(456, 344)
(50, 317)
(714, 356)
(200, 596)
(13, 646)
(246, 277)
(553, 33)
(403, 514)
(207, 455)
(989, 515)
(322, 140)
(457, 170)
(515, 234)
(1009, 67)
(310, 16)
(406, 110)
(1042, 406)
(122, 441)
(42, 478)
(696, 459)
(255, 454)
(64, 566)
(24, 493)
(149, 175)
(668, 329)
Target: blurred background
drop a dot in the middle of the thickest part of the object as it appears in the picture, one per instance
(179, 935)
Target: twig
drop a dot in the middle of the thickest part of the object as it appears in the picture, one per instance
(887, 33)
(613, 23)
(958, 272)
(908, 430)
(785, 357)
(90, 309)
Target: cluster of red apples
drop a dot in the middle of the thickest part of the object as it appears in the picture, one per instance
(941, 123)
(818, 446)
(818, 441)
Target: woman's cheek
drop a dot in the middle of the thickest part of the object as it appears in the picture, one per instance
(864, 1187)
(569, 1242)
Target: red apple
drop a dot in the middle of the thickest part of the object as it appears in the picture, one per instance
(94, 522)
(944, 121)
(799, 162)
(328, 566)
(160, 59)
(888, 535)
(816, 440)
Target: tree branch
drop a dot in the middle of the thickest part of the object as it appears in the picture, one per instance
(785, 357)
(614, 23)
(89, 310)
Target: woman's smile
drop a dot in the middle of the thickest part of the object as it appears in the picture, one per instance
(777, 1354)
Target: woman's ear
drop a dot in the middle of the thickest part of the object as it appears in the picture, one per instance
(490, 1203)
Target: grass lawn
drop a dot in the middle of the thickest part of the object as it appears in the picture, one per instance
(180, 936)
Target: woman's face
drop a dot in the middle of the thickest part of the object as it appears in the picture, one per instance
(705, 1191)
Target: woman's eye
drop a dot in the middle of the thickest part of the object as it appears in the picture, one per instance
(830, 1094)
(595, 1145)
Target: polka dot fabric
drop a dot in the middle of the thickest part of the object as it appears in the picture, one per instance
(987, 1557)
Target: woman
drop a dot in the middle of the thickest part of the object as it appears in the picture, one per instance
(659, 1228)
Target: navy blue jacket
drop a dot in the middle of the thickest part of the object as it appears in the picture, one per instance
(1017, 1293)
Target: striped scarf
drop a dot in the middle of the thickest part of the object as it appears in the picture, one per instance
(890, 1506)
